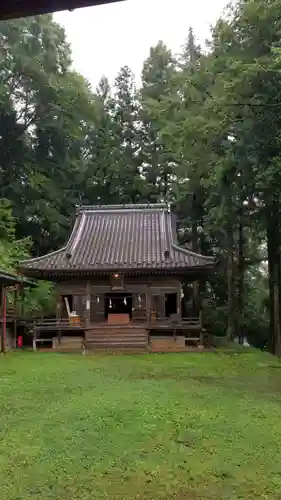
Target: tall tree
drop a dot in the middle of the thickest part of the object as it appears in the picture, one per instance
(125, 116)
(43, 109)
(158, 161)
(101, 183)
(247, 65)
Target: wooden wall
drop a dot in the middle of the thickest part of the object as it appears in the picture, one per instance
(148, 293)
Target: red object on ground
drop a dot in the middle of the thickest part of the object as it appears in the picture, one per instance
(20, 341)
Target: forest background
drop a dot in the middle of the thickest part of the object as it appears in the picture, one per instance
(202, 133)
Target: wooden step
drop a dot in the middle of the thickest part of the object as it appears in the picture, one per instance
(113, 346)
(112, 340)
(117, 350)
(117, 331)
(116, 338)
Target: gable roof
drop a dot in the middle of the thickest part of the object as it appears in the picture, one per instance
(120, 238)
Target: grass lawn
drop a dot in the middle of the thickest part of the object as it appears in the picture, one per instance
(149, 427)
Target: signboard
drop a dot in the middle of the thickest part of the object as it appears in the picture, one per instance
(117, 282)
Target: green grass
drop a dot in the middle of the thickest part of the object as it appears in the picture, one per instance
(182, 427)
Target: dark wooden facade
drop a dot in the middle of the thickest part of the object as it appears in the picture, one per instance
(120, 277)
(147, 293)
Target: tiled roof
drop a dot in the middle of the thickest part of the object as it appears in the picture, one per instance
(127, 237)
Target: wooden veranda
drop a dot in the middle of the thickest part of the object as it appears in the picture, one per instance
(162, 334)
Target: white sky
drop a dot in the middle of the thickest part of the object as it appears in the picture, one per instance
(106, 37)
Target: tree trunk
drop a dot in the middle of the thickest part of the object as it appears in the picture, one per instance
(273, 250)
(240, 280)
(230, 287)
(194, 235)
(194, 243)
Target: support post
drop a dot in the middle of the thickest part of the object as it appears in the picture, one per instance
(199, 303)
(196, 297)
(58, 308)
(34, 339)
(21, 300)
(88, 304)
(148, 303)
(179, 300)
(15, 334)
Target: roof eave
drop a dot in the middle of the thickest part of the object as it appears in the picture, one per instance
(45, 273)
(25, 8)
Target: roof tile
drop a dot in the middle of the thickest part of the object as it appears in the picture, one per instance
(129, 237)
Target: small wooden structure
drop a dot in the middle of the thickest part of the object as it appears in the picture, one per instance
(10, 286)
(120, 276)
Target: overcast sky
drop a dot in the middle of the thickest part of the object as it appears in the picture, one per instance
(106, 37)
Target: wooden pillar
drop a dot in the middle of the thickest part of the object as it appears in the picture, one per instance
(88, 304)
(58, 307)
(196, 297)
(21, 300)
(147, 303)
(34, 338)
(179, 300)
(58, 318)
(199, 309)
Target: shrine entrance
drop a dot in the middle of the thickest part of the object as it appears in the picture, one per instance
(118, 308)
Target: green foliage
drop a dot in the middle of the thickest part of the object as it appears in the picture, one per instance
(12, 250)
(202, 131)
(38, 299)
(45, 112)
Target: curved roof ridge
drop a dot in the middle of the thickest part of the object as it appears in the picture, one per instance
(194, 254)
(128, 206)
(42, 257)
(76, 233)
